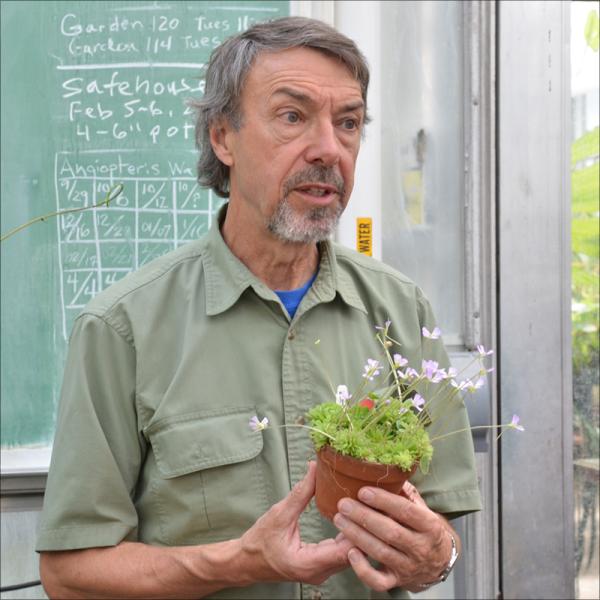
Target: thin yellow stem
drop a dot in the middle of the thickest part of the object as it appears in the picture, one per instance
(110, 196)
(305, 427)
(503, 427)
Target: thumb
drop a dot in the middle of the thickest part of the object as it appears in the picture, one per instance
(297, 500)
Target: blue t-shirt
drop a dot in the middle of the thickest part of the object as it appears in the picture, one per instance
(291, 298)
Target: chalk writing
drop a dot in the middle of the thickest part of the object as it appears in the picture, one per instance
(160, 208)
(124, 73)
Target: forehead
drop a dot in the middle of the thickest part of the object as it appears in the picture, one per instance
(316, 72)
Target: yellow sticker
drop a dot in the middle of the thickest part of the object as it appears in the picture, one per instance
(364, 235)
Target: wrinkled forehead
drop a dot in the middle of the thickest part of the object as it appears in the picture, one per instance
(303, 61)
(304, 67)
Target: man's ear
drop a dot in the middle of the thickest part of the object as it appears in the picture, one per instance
(220, 140)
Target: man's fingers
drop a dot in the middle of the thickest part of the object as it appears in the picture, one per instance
(413, 514)
(371, 544)
(380, 581)
(412, 493)
(297, 500)
(380, 525)
(326, 556)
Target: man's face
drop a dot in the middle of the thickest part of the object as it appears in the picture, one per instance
(292, 161)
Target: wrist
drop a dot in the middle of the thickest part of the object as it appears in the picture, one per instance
(220, 565)
(454, 554)
(242, 564)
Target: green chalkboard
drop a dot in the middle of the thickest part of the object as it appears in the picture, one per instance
(93, 93)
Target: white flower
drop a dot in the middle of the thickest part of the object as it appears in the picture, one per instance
(257, 425)
(372, 369)
(473, 387)
(400, 361)
(452, 372)
(483, 352)
(418, 402)
(461, 385)
(342, 396)
(433, 335)
(411, 373)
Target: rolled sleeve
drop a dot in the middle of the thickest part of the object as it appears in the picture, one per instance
(97, 449)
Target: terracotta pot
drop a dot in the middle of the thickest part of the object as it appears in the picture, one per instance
(340, 476)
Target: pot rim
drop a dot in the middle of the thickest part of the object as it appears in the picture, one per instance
(367, 470)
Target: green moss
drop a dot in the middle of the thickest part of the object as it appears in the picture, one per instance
(390, 433)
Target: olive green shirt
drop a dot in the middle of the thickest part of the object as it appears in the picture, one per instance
(165, 370)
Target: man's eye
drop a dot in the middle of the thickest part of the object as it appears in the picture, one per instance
(350, 124)
(291, 117)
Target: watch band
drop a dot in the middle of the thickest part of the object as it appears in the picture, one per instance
(446, 572)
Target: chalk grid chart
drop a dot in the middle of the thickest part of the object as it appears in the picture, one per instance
(124, 73)
(160, 208)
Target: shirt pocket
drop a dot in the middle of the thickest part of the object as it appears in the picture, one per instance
(210, 483)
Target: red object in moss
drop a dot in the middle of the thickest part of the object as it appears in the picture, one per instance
(367, 402)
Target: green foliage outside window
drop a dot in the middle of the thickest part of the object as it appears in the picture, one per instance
(585, 272)
(585, 245)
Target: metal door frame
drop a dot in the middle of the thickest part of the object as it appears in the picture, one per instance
(534, 265)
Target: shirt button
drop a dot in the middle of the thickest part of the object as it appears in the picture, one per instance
(291, 334)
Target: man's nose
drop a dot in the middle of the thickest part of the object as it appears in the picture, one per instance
(323, 145)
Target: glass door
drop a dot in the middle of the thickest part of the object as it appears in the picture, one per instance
(585, 293)
(424, 185)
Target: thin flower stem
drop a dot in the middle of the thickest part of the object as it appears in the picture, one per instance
(305, 427)
(445, 435)
(390, 361)
(455, 391)
(110, 196)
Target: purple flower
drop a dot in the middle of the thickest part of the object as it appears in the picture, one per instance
(459, 386)
(483, 352)
(385, 327)
(431, 371)
(434, 335)
(418, 402)
(410, 373)
(515, 423)
(451, 373)
(473, 387)
(372, 369)
(342, 396)
(257, 425)
(399, 360)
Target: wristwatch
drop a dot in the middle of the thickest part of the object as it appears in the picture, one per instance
(453, 558)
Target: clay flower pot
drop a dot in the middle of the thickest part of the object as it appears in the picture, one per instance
(340, 476)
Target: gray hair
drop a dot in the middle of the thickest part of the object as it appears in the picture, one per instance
(229, 65)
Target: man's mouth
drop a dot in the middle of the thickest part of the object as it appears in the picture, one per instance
(317, 185)
(319, 191)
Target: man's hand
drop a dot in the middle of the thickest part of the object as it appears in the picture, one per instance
(411, 542)
(277, 553)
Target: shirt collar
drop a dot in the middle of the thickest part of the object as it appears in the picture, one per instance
(227, 277)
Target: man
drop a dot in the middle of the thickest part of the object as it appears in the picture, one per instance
(158, 488)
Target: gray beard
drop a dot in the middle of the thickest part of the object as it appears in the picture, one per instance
(316, 225)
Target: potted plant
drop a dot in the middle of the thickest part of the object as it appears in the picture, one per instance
(381, 436)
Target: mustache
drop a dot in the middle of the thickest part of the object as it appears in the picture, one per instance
(315, 174)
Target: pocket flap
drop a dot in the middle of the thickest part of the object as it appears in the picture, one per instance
(196, 441)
